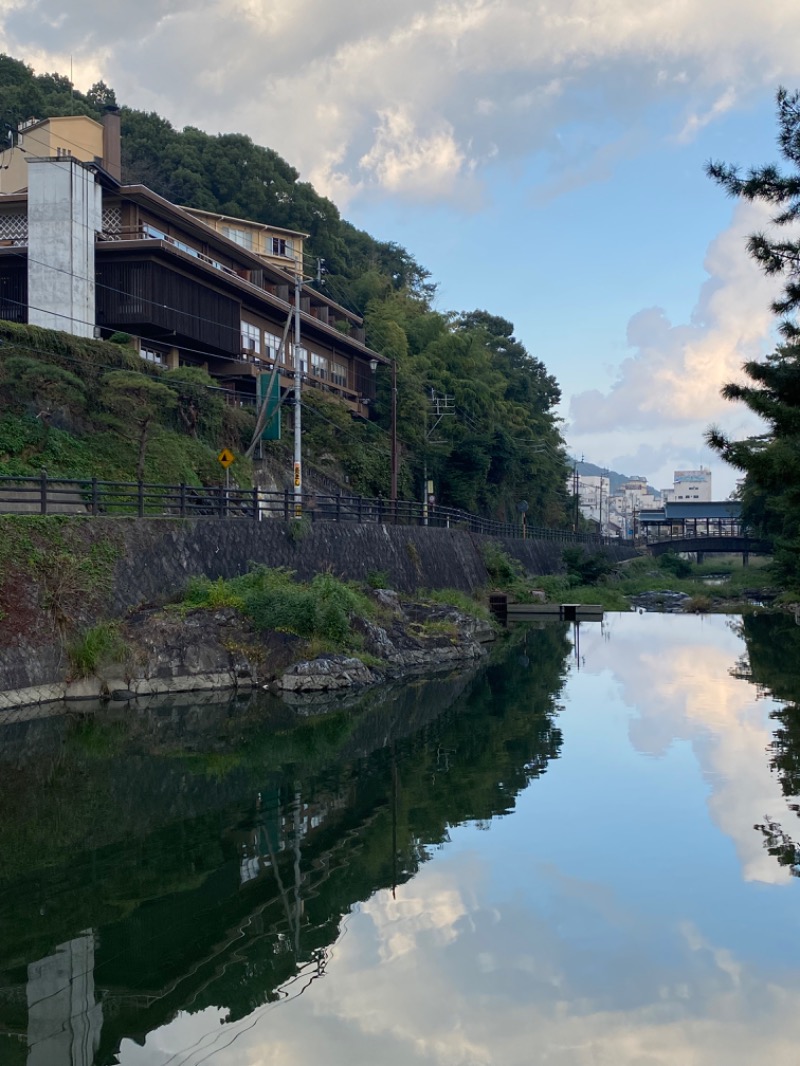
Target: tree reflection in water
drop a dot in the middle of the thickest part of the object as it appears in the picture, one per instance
(773, 664)
(209, 853)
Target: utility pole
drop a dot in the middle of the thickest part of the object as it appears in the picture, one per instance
(394, 435)
(298, 385)
(601, 505)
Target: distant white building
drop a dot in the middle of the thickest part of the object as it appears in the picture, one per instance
(692, 485)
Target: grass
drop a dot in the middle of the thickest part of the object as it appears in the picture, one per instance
(645, 575)
(321, 609)
(99, 646)
(460, 600)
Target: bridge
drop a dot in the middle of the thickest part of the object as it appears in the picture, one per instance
(700, 527)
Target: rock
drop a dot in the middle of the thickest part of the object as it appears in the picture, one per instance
(325, 674)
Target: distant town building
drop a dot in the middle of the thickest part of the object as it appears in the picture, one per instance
(692, 485)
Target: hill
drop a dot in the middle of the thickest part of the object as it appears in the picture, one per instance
(614, 477)
(500, 445)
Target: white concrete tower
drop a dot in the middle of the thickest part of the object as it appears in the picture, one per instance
(64, 214)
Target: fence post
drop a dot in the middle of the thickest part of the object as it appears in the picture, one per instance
(95, 498)
(256, 514)
(140, 498)
(182, 489)
(360, 509)
(43, 491)
(286, 504)
(339, 506)
(380, 509)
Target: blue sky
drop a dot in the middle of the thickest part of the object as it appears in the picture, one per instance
(544, 162)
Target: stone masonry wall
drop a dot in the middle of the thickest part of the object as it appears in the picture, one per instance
(157, 557)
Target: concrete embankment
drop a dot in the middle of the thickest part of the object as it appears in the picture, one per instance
(87, 570)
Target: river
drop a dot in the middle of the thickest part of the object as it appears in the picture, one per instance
(581, 853)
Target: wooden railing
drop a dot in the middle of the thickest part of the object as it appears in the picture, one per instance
(47, 495)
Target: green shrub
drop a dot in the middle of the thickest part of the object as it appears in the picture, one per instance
(201, 592)
(461, 601)
(378, 579)
(584, 568)
(675, 564)
(96, 647)
(502, 569)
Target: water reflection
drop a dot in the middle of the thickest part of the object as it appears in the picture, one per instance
(201, 858)
(772, 662)
(244, 884)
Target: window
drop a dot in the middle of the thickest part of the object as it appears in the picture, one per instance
(152, 355)
(319, 366)
(280, 246)
(239, 236)
(339, 374)
(251, 338)
(271, 346)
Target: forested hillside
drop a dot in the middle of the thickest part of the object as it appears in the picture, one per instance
(501, 445)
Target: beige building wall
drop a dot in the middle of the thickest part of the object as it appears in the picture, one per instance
(281, 247)
(75, 135)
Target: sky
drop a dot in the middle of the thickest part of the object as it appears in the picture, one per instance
(543, 160)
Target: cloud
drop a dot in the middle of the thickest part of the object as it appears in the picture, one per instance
(676, 372)
(720, 715)
(412, 99)
(696, 122)
(667, 391)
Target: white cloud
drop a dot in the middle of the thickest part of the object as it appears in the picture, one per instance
(445, 81)
(670, 386)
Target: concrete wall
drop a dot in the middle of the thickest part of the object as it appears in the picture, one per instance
(64, 213)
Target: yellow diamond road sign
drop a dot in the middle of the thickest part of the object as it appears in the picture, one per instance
(226, 457)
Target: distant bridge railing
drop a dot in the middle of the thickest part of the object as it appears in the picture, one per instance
(47, 495)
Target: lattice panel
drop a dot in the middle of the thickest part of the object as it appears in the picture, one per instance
(112, 221)
(14, 227)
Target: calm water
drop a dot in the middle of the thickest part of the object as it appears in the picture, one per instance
(577, 855)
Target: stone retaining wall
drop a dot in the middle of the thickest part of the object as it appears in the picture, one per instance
(157, 557)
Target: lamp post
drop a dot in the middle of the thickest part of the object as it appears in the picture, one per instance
(298, 385)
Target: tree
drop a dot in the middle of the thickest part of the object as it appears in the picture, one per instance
(48, 389)
(138, 401)
(771, 461)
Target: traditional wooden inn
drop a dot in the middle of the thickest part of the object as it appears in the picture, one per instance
(84, 253)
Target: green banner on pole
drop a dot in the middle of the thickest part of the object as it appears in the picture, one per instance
(272, 426)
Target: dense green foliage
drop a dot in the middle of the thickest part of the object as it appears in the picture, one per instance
(500, 445)
(322, 608)
(771, 460)
(84, 408)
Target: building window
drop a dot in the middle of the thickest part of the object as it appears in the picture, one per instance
(238, 236)
(319, 366)
(271, 347)
(152, 355)
(339, 374)
(251, 339)
(280, 246)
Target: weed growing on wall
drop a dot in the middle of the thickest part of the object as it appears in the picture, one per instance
(94, 648)
(53, 554)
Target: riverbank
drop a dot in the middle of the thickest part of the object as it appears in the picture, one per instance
(265, 631)
(674, 585)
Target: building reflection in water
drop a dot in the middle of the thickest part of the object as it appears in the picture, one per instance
(64, 1018)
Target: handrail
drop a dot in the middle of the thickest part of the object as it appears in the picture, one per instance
(62, 495)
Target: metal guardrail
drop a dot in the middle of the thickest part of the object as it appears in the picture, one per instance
(47, 495)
